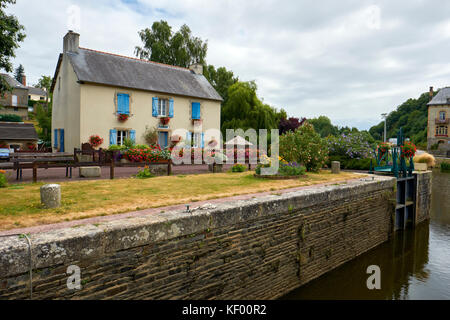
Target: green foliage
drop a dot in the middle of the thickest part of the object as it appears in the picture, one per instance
(291, 169)
(11, 33)
(304, 146)
(128, 143)
(323, 126)
(44, 82)
(151, 135)
(445, 167)
(239, 168)
(10, 118)
(351, 145)
(44, 118)
(221, 79)
(144, 174)
(19, 73)
(3, 181)
(244, 110)
(351, 164)
(115, 147)
(412, 116)
(181, 48)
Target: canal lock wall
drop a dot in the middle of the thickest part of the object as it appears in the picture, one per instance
(260, 248)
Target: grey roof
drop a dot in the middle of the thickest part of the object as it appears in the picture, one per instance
(17, 131)
(110, 69)
(36, 91)
(13, 82)
(442, 97)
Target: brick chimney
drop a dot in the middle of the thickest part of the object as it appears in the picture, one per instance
(71, 42)
(197, 68)
(24, 80)
(431, 93)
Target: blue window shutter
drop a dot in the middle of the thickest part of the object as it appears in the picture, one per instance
(123, 103)
(196, 110)
(55, 136)
(155, 107)
(171, 108)
(133, 135)
(112, 137)
(61, 140)
(203, 140)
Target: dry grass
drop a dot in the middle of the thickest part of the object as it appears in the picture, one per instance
(425, 158)
(82, 199)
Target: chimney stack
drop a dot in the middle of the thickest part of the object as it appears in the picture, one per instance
(197, 68)
(24, 80)
(431, 93)
(71, 42)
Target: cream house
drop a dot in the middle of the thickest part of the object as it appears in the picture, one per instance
(438, 122)
(92, 90)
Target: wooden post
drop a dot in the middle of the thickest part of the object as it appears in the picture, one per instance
(34, 172)
(111, 168)
(169, 167)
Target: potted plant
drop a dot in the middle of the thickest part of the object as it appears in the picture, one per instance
(95, 141)
(408, 150)
(383, 148)
(122, 117)
(165, 121)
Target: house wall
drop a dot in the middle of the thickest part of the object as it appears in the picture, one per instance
(66, 106)
(22, 103)
(98, 113)
(433, 114)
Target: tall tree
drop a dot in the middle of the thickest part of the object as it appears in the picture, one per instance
(19, 73)
(45, 82)
(181, 48)
(323, 126)
(221, 79)
(11, 34)
(290, 124)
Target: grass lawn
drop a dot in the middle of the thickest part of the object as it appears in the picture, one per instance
(20, 204)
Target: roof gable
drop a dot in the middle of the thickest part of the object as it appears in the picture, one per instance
(442, 97)
(13, 82)
(114, 70)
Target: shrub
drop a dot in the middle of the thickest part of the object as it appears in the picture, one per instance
(3, 181)
(10, 118)
(353, 145)
(408, 149)
(144, 174)
(115, 147)
(128, 143)
(352, 164)
(425, 158)
(445, 167)
(304, 146)
(150, 154)
(238, 168)
(291, 169)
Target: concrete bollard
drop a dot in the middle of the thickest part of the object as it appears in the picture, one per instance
(51, 195)
(335, 167)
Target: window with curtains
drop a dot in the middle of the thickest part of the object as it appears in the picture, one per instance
(162, 107)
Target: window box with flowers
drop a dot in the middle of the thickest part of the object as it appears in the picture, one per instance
(164, 121)
(122, 117)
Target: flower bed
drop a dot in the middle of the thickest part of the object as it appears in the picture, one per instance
(286, 170)
(149, 154)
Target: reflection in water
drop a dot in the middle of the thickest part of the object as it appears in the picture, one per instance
(415, 264)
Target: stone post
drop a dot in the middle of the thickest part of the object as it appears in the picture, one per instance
(335, 167)
(51, 195)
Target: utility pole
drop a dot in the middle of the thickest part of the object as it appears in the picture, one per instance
(384, 115)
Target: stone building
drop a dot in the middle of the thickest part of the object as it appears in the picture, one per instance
(16, 101)
(118, 97)
(438, 122)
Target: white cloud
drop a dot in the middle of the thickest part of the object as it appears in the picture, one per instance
(350, 60)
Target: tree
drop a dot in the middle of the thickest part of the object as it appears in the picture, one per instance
(323, 126)
(44, 118)
(19, 73)
(45, 82)
(221, 79)
(10, 36)
(290, 124)
(181, 49)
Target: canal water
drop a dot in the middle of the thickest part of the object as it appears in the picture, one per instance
(414, 264)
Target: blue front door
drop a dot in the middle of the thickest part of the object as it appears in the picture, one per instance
(163, 139)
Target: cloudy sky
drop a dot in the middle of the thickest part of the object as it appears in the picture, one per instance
(348, 60)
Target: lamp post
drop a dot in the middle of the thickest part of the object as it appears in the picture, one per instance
(384, 115)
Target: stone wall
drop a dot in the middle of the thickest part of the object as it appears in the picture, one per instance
(423, 195)
(260, 248)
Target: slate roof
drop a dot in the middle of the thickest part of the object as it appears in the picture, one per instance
(36, 91)
(442, 97)
(119, 71)
(17, 131)
(13, 82)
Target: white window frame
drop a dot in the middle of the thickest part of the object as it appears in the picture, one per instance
(14, 100)
(121, 136)
(442, 115)
(162, 107)
(196, 139)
